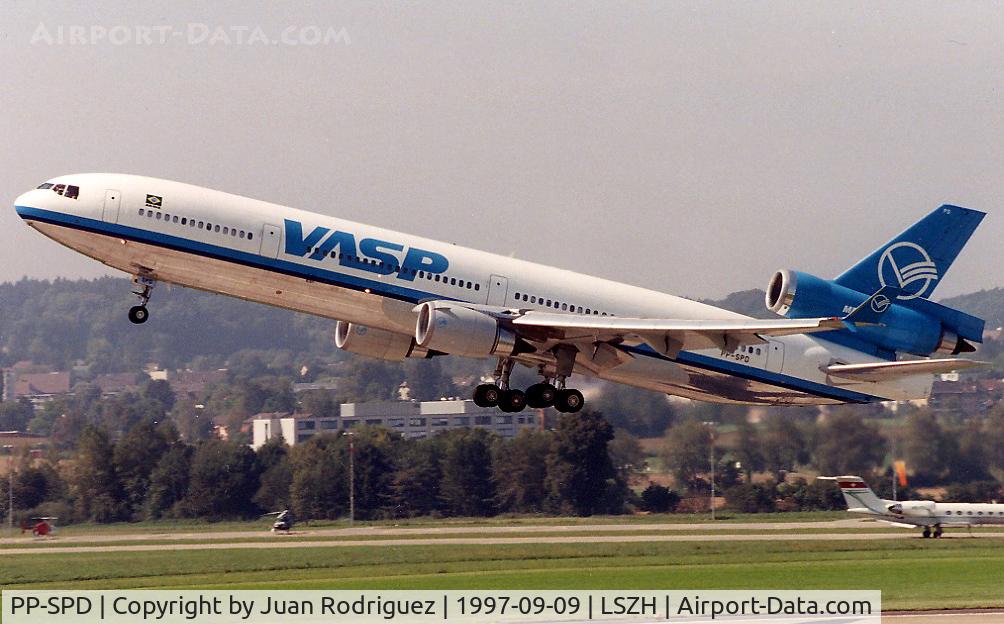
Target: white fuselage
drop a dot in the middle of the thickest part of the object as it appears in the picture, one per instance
(348, 271)
(930, 513)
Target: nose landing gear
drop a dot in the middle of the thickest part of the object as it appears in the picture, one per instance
(138, 314)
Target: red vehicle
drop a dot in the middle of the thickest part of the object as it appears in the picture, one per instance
(41, 526)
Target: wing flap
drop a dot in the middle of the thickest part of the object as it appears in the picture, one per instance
(887, 371)
(669, 336)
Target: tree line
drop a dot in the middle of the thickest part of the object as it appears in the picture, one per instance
(150, 473)
(961, 456)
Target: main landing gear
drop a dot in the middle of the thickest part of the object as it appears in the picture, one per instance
(138, 314)
(538, 396)
(928, 533)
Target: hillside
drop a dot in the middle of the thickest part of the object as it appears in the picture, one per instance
(67, 322)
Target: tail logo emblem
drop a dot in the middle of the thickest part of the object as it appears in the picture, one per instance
(880, 304)
(909, 267)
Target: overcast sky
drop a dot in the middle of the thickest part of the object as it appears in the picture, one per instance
(689, 147)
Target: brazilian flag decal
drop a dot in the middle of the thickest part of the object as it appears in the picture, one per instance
(154, 201)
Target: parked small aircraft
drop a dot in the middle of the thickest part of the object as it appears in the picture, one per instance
(932, 516)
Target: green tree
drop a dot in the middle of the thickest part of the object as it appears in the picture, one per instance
(847, 444)
(626, 454)
(971, 461)
(751, 497)
(320, 477)
(160, 391)
(276, 476)
(748, 450)
(169, 482)
(686, 451)
(192, 421)
(33, 485)
(426, 379)
(96, 490)
(318, 403)
(519, 470)
(581, 478)
(224, 479)
(15, 415)
(641, 412)
(375, 449)
(659, 499)
(136, 455)
(415, 486)
(467, 488)
(368, 379)
(928, 450)
(994, 437)
(783, 443)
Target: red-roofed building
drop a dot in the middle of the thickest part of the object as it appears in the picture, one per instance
(194, 383)
(40, 387)
(116, 383)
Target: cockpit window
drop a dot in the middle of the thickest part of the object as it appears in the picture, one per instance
(66, 190)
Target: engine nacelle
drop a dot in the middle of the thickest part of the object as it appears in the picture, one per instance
(800, 295)
(376, 343)
(912, 508)
(458, 330)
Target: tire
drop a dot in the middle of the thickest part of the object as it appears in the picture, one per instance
(512, 401)
(138, 314)
(487, 395)
(541, 395)
(926, 533)
(569, 401)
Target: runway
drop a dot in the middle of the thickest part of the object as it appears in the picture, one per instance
(280, 542)
(963, 616)
(383, 531)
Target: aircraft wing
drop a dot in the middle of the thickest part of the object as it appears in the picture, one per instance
(901, 525)
(888, 371)
(670, 336)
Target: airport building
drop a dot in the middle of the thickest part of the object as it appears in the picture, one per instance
(413, 419)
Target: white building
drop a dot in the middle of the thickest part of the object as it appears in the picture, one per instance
(412, 419)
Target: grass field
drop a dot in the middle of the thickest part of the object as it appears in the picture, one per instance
(912, 574)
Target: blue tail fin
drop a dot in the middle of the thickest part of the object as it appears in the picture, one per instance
(915, 261)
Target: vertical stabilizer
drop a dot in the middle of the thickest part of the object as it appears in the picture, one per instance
(857, 494)
(916, 261)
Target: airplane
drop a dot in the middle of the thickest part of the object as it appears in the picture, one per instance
(928, 514)
(871, 334)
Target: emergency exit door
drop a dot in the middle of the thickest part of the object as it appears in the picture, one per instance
(110, 211)
(498, 287)
(271, 235)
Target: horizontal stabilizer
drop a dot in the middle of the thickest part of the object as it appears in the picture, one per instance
(871, 310)
(888, 371)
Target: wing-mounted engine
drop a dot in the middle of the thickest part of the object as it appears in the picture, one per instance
(451, 327)
(907, 325)
(377, 343)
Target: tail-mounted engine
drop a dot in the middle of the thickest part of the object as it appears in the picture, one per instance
(908, 325)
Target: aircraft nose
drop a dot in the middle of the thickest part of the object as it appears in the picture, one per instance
(22, 203)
